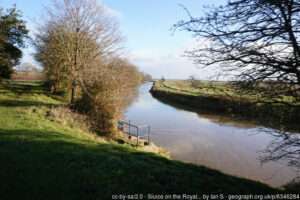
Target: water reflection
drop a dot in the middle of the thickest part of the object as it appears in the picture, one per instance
(216, 141)
(284, 146)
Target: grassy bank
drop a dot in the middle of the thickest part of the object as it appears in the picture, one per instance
(43, 158)
(280, 112)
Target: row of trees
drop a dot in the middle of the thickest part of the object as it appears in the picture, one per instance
(79, 48)
(12, 34)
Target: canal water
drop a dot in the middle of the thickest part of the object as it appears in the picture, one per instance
(233, 147)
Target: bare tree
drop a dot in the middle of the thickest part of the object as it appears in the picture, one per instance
(255, 40)
(79, 48)
(76, 34)
(147, 77)
(108, 91)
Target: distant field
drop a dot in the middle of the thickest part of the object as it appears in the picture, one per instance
(28, 76)
(259, 104)
(223, 90)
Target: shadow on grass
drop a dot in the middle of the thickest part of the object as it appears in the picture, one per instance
(23, 103)
(20, 87)
(28, 88)
(49, 165)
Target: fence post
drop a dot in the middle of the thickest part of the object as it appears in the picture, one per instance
(102, 116)
(129, 128)
(149, 134)
(137, 139)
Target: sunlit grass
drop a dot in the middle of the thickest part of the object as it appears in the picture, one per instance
(43, 159)
(222, 89)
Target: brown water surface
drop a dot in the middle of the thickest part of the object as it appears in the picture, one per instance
(219, 142)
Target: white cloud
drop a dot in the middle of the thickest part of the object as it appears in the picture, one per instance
(172, 64)
(113, 12)
(110, 11)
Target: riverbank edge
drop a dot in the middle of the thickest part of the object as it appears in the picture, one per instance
(266, 114)
(46, 158)
(123, 138)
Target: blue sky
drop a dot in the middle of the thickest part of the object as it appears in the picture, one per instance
(145, 25)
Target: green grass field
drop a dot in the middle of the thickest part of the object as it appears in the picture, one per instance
(225, 90)
(43, 159)
(259, 106)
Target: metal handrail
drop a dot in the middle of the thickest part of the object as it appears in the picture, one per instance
(131, 126)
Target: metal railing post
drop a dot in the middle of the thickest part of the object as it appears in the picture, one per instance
(129, 128)
(137, 139)
(144, 132)
(149, 134)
